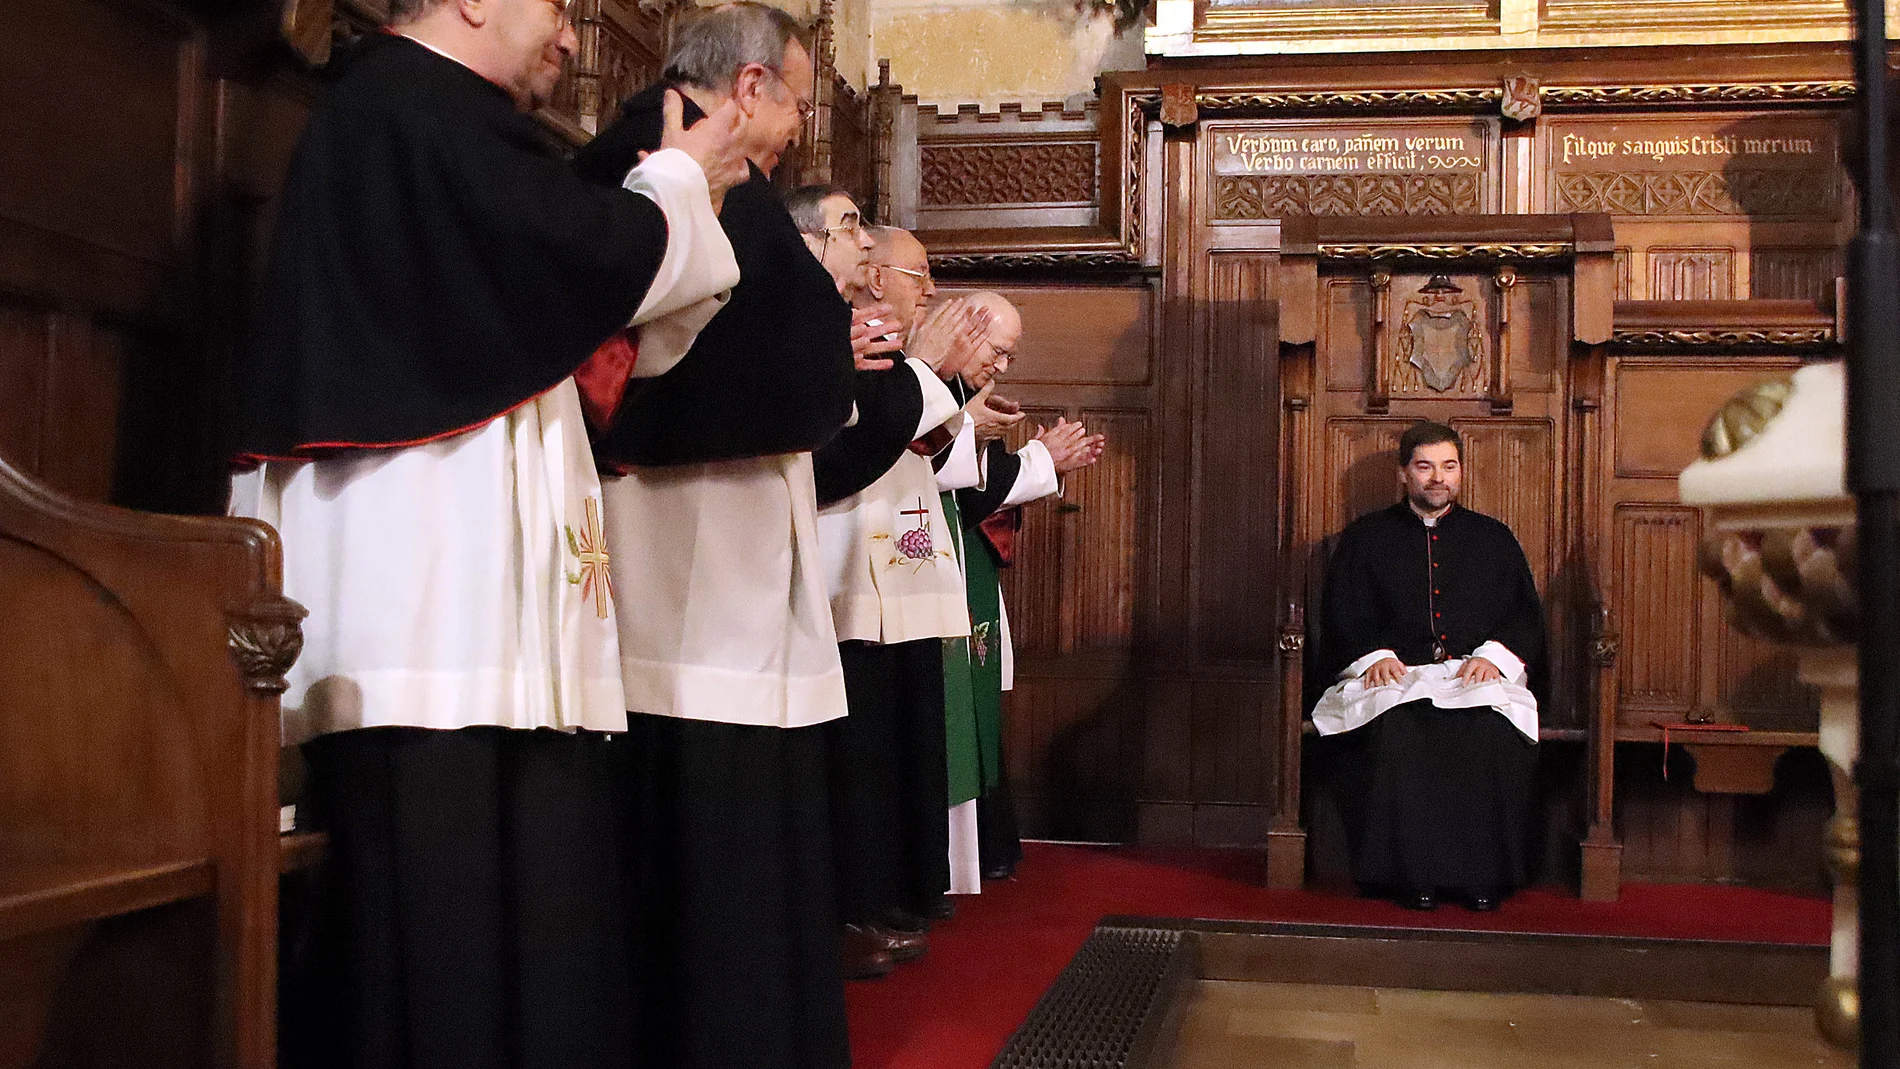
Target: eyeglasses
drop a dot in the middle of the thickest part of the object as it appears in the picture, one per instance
(998, 352)
(921, 276)
(850, 224)
(806, 109)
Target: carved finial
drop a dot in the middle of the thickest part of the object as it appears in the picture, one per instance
(883, 73)
(265, 638)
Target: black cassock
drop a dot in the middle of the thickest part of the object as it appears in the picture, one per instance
(436, 264)
(1435, 799)
(735, 931)
(888, 778)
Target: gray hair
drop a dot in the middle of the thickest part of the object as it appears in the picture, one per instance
(806, 203)
(709, 46)
(406, 11)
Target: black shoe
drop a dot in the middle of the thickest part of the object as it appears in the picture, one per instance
(941, 910)
(903, 920)
(1420, 900)
(1002, 871)
(1484, 902)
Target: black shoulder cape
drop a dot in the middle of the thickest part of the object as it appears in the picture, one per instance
(435, 264)
(772, 373)
(890, 402)
(1382, 592)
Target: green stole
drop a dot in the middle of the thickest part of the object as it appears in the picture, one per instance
(959, 704)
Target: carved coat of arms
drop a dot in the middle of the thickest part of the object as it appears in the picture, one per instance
(1441, 333)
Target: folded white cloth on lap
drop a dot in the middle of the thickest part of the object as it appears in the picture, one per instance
(1351, 704)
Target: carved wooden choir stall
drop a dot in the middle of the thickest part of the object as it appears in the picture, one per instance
(1248, 274)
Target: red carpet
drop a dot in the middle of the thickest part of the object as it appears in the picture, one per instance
(988, 966)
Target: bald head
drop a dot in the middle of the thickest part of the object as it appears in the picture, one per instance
(1004, 331)
(897, 273)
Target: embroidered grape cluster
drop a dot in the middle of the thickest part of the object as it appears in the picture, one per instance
(915, 544)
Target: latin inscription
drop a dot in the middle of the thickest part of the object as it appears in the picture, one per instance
(1690, 144)
(1313, 150)
(1580, 148)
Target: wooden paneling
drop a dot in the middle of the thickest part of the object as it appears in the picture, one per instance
(1346, 333)
(1540, 346)
(1099, 335)
(1691, 274)
(1109, 496)
(1653, 567)
(1232, 741)
(1510, 475)
(1661, 409)
(1673, 833)
(1074, 746)
(96, 203)
(1805, 274)
(113, 183)
(1362, 461)
(1033, 586)
(1235, 506)
(1756, 683)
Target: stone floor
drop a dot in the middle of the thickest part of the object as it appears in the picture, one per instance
(1237, 1025)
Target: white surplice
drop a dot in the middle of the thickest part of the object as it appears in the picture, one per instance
(465, 581)
(723, 609)
(890, 565)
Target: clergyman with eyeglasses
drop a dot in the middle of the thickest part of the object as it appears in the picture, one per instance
(727, 650)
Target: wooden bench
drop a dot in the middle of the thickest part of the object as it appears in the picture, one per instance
(141, 660)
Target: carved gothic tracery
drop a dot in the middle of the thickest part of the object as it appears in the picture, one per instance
(1807, 194)
(1278, 196)
(1032, 173)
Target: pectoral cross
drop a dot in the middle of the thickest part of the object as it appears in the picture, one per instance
(595, 580)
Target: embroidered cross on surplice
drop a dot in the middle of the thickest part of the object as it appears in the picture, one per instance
(916, 544)
(590, 548)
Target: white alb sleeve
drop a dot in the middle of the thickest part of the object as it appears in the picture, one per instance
(960, 470)
(697, 272)
(1358, 667)
(1499, 654)
(1037, 479)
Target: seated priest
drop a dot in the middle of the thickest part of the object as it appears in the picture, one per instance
(1431, 628)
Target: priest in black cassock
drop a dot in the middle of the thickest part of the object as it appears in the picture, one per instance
(408, 421)
(726, 645)
(1434, 633)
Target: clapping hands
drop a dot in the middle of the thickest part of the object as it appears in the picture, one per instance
(948, 335)
(994, 416)
(1070, 445)
(869, 340)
